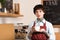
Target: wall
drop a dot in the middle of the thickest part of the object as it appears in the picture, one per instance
(26, 8)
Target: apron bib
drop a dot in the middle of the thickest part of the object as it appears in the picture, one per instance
(39, 35)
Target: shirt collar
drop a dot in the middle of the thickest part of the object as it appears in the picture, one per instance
(42, 20)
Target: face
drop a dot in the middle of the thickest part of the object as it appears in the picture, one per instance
(39, 13)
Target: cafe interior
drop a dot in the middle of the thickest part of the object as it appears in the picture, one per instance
(16, 15)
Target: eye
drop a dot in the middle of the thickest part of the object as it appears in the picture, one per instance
(36, 12)
(40, 11)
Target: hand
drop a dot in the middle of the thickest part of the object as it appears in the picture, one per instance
(47, 35)
(33, 29)
(43, 30)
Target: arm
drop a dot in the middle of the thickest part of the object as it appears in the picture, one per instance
(29, 29)
(51, 32)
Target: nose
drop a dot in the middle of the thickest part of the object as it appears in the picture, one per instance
(38, 13)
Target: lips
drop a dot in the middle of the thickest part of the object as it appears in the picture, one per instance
(38, 15)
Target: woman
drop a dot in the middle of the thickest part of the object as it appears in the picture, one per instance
(40, 29)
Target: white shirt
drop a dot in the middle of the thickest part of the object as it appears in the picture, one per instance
(49, 28)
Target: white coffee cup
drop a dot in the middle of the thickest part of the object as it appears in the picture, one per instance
(37, 28)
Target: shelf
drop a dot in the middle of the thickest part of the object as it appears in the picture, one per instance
(2, 14)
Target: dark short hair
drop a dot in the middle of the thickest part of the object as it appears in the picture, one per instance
(39, 6)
